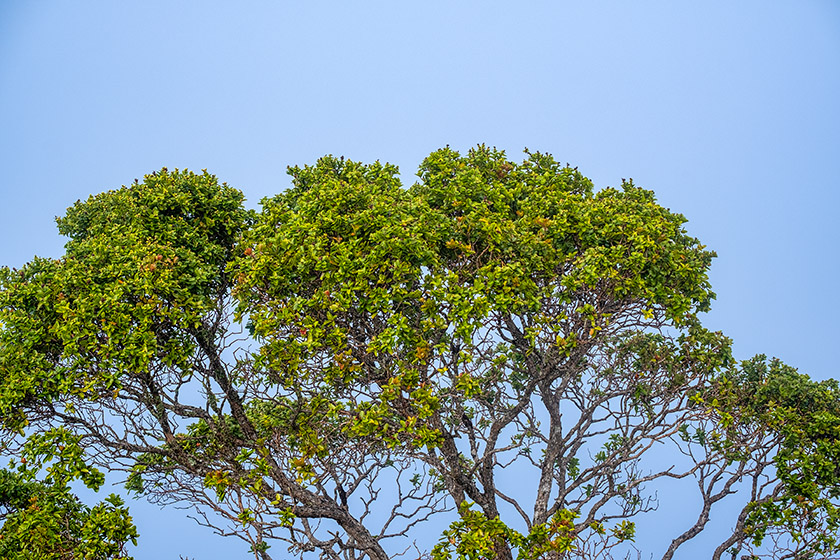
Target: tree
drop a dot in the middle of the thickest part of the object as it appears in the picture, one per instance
(357, 360)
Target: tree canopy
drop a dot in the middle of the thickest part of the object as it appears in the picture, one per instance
(499, 346)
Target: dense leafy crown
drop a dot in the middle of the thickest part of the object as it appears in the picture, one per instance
(338, 369)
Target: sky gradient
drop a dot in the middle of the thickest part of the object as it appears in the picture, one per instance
(728, 111)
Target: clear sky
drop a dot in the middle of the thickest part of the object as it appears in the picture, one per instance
(729, 111)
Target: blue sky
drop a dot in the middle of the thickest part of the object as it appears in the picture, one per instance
(728, 110)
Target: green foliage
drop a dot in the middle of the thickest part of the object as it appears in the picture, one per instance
(478, 235)
(44, 520)
(277, 366)
(802, 418)
(143, 267)
(475, 537)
